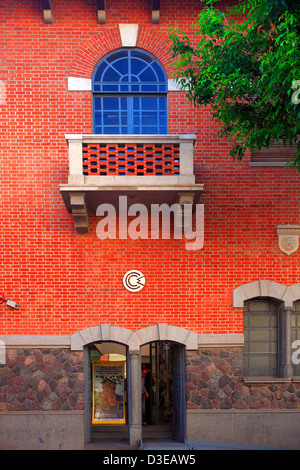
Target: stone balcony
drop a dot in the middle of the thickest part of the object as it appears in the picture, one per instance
(148, 169)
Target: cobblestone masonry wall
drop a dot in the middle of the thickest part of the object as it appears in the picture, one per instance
(53, 379)
(214, 380)
(42, 379)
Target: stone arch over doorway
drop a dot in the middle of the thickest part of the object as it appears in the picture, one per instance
(134, 339)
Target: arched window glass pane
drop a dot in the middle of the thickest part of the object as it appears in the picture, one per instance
(141, 80)
(261, 338)
(130, 66)
(111, 75)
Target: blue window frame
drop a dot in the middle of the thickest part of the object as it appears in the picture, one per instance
(129, 94)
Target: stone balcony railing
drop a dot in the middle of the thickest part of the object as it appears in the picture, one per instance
(117, 156)
(146, 168)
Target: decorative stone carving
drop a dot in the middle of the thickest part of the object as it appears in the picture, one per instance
(288, 238)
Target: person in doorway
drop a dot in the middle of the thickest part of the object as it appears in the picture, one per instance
(145, 394)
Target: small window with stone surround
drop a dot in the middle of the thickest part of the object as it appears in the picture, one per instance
(261, 333)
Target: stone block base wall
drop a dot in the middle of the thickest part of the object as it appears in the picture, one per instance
(42, 430)
(42, 399)
(224, 407)
(277, 429)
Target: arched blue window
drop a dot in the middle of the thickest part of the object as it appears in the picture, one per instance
(129, 94)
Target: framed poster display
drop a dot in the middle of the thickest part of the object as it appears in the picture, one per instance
(108, 392)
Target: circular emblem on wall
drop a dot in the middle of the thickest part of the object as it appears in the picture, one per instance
(134, 280)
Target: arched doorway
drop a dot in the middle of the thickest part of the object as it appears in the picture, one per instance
(180, 339)
(106, 391)
(163, 391)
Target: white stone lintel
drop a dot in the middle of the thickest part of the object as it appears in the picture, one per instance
(173, 85)
(79, 84)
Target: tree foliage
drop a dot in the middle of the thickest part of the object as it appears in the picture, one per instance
(245, 64)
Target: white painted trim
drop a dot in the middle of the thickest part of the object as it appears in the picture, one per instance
(79, 84)
(129, 34)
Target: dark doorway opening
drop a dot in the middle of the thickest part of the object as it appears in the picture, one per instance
(164, 407)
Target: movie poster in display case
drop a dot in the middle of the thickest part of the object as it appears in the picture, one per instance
(108, 392)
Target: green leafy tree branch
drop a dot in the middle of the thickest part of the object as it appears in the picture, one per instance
(246, 66)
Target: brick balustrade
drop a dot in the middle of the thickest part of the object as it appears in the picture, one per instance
(130, 159)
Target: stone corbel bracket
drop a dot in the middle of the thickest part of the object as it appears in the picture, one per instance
(101, 11)
(47, 10)
(288, 238)
(181, 219)
(80, 212)
(155, 9)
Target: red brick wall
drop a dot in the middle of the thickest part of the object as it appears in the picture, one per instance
(64, 281)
